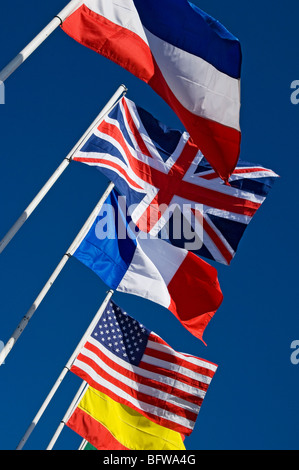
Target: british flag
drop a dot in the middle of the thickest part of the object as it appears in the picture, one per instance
(165, 177)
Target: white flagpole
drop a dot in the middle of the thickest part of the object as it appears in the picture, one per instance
(36, 201)
(83, 444)
(39, 39)
(65, 370)
(24, 322)
(77, 397)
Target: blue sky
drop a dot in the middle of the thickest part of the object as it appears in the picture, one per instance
(50, 101)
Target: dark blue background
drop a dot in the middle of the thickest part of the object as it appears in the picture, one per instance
(50, 101)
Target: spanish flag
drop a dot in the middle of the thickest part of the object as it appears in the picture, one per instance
(108, 425)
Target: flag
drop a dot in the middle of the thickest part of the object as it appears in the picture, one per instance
(150, 267)
(86, 421)
(186, 56)
(89, 446)
(168, 181)
(109, 425)
(135, 367)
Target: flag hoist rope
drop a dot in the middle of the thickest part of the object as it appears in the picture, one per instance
(39, 39)
(38, 198)
(20, 328)
(65, 370)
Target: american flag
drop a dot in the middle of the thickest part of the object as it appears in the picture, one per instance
(162, 173)
(135, 367)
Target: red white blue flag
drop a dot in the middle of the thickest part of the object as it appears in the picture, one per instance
(186, 56)
(137, 368)
(151, 268)
(169, 184)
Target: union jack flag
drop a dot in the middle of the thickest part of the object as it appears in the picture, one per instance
(165, 177)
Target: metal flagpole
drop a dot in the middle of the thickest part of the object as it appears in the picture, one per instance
(39, 39)
(83, 444)
(32, 206)
(70, 409)
(65, 370)
(22, 325)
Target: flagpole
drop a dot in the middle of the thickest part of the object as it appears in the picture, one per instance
(79, 394)
(39, 39)
(46, 188)
(65, 370)
(24, 322)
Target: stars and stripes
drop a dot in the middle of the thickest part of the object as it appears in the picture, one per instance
(137, 368)
(162, 172)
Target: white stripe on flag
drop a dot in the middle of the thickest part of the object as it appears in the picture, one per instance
(145, 407)
(186, 357)
(159, 377)
(155, 393)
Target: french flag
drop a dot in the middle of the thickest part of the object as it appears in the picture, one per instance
(186, 56)
(150, 267)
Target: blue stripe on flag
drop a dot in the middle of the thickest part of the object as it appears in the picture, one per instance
(185, 26)
(108, 256)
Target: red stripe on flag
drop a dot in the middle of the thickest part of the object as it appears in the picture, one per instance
(173, 375)
(179, 362)
(118, 44)
(93, 431)
(141, 381)
(218, 242)
(168, 187)
(101, 161)
(136, 132)
(214, 237)
(141, 169)
(238, 171)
